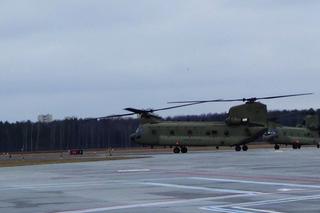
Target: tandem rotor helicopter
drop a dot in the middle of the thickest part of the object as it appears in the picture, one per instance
(244, 124)
(307, 134)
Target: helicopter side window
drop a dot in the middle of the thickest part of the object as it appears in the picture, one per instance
(189, 132)
(244, 120)
(226, 133)
(214, 132)
(172, 132)
(154, 132)
(207, 133)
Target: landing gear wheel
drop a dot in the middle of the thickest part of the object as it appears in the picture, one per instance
(318, 146)
(237, 148)
(299, 146)
(276, 147)
(184, 149)
(176, 150)
(217, 147)
(294, 146)
(245, 148)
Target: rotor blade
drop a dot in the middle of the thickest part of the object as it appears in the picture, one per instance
(253, 99)
(141, 111)
(138, 111)
(284, 96)
(206, 101)
(144, 111)
(190, 103)
(194, 101)
(115, 116)
(177, 106)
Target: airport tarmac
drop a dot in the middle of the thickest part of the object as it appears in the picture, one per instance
(260, 180)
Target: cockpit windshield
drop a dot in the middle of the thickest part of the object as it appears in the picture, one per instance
(139, 130)
(271, 132)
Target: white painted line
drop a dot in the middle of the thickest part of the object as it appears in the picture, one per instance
(134, 170)
(49, 186)
(236, 210)
(222, 210)
(226, 208)
(161, 179)
(257, 182)
(59, 185)
(275, 201)
(257, 210)
(164, 203)
(200, 188)
(288, 190)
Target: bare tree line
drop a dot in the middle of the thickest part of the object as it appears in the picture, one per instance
(85, 134)
(66, 134)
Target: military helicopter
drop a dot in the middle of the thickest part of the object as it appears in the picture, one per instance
(307, 134)
(244, 124)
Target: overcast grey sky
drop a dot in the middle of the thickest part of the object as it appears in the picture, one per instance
(94, 58)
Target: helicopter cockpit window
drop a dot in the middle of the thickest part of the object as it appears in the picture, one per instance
(139, 131)
(271, 132)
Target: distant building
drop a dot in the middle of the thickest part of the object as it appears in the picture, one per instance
(45, 118)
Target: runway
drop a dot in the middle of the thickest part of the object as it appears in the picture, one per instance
(260, 180)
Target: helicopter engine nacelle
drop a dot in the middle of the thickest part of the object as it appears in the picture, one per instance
(254, 113)
(236, 121)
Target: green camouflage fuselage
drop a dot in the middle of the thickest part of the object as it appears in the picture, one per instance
(293, 135)
(196, 134)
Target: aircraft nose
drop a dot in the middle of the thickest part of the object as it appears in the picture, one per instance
(269, 136)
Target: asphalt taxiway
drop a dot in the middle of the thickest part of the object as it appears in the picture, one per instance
(260, 180)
